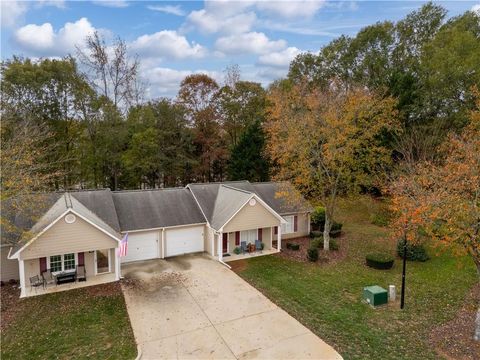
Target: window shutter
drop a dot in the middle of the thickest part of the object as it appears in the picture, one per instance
(43, 264)
(275, 231)
(295, 223)
(237, 237)
(260, 234)
(81, 258)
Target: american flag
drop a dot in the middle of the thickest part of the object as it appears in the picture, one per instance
(122, 250)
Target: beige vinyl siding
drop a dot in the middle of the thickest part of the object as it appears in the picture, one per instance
(9, 268)
(267, 238)
(302, 229)
(32, 268)
(63, 238)
(231, 242)
(208, 240)
(251, 217)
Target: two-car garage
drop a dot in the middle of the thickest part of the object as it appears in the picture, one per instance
(161, 243)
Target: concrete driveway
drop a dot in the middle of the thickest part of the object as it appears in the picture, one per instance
(194, 307)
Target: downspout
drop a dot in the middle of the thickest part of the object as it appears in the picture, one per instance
(220, 249)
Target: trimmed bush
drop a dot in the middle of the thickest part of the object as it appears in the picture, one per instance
(414, 252)
(318, 243)
(380, 261)
(262, 246)
(237, 250)
(312, 254)
(336, 227)
(295, 247)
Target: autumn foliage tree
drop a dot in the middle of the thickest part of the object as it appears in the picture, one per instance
(329, 143)
(441, 201)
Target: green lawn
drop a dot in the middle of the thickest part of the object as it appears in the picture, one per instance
(327, 298)
(87, 323)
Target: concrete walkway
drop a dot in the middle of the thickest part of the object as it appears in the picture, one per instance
(194, 307)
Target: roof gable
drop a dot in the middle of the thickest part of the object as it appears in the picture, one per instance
(228, 202)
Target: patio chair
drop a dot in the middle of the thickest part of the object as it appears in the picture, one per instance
(35, 282)
(81, 273)
(48, 278)
(258, 246)
(243, 247)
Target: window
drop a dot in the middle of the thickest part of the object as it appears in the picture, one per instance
(62, 262)
(56, 263)
(68, 261)
(288, 227)
(249, 236)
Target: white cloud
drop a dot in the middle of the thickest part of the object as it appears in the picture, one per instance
(291, 9)
(42, 40)
(165, 81)
(112, 3)
(279, 58)
(12, 12)
(168, 9)
(249, 43)
(167, 44)
(476, 9)
(208, 22)
(56, 3)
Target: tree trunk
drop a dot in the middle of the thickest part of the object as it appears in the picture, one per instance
(326, 232)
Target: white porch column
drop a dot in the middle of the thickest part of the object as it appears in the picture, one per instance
(117, 265)
(220, 246)
(163, 243)
(279, 238)
(23, 290)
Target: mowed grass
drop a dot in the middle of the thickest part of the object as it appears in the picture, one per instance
(87, 323)
(327, 298)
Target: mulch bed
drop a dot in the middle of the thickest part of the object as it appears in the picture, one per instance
(109, 289)
(10, 297)
(324, 257)
(455, 338)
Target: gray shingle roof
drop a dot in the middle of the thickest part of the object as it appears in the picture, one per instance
(149, 209)
(229, 201)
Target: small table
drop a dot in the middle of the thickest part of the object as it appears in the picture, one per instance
(251, 247)
(64, 276)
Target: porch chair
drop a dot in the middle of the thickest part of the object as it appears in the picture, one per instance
(243, 247)
(48, 278)
(81, 273)
(258, 245)
(36, 282)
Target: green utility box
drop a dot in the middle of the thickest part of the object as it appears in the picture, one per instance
(375, 295)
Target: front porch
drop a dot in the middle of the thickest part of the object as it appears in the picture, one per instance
(233, 256)
(52, 288)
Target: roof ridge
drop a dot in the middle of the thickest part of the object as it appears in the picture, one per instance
(234, 188)
(142, 190)
(219, 182)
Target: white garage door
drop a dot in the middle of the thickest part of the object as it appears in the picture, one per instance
(183, 240)
(142, 246)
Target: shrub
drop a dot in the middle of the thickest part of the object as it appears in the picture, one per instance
(312, 254)
(318, 217)
(380, 261)
(237, 250)
(336, 227)
(379, 219)
(295, 247)
(318, 243)
(316, 234)
(335, 233)
(262, 246)
(415, 252)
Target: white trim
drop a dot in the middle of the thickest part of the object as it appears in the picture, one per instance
(161, 228)
(220, 246)
(62, 260)
(163, 243)
(118, 273)
(191, 192)
(273, 212)
(279, 239)
(15, 256)
(292, 223)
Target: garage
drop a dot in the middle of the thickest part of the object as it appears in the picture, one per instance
(142, 246)
(184, 240)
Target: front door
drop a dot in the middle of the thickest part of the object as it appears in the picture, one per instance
(102, 261)
(225, 243)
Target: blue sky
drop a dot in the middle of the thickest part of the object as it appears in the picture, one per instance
(174, 39)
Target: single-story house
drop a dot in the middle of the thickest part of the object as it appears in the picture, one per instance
(85, 227)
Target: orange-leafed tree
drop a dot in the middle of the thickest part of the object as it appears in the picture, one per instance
(443, 199)
(328, 143)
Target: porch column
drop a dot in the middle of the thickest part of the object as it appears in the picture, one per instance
(163, 243)
(279, 238)
(220, 246)
(21, 265)
(117, 264)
